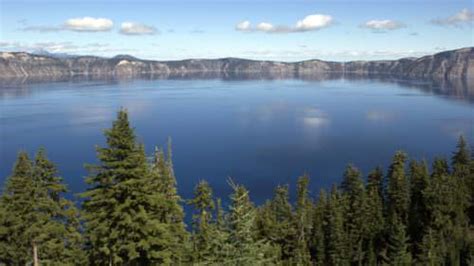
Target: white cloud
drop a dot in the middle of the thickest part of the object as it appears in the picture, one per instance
(308, 23)
(314, 22)
(382, 25)
(243, 26)
(88, 24)
(463, 17)
(133, 28)
(265, 26)
(85, 24)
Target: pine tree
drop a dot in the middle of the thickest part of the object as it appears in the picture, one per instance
(398, 189)
(220, 215)
(62, 241)
(169, 210)
(41, 226)
(335, 238)
(317, 242)
(245, 249)
(375, 182)
(419, 217)
(374, 216)
(11, 251)
(130, 216)
(430, 247)
(462, 156)
(355, 214)
(274, 222)
(203, 229)
(440, 167)
(114, 219)
(398, 245)
(266, 224)
(302, 222)
(17, 213)
(463, 168)
(220, 245)
(447, 204)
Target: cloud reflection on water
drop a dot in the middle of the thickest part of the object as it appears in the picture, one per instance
(381, 115)
(314, 118)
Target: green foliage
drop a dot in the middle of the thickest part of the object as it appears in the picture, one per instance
(374, 221)
(317, 240)
(355, 215)
(132, 210)
(398, 189)
(16, 211)
(463, 167)
(398, 245)
(303, 224)
(35, 215)
(203, 229)
(446, 203)
(430, 249)
(220, 246)
(167, 209)
(335, 237)
(462, 156)
(274, 223)
(245, 249)
(419, 216)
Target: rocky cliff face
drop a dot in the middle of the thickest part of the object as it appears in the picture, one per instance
(445, 65)
(449, 64)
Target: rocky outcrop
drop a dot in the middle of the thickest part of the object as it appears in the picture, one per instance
(453, 64)
(449, 64)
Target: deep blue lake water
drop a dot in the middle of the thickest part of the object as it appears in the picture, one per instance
(259, 132)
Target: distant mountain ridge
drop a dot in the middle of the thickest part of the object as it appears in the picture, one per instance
(454, 64)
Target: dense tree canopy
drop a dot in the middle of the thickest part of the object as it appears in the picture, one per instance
(132, 214)
(132, 211)
(36, 222)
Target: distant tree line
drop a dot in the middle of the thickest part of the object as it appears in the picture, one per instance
(132, 214)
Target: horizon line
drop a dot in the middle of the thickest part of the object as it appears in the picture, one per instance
(67, 55)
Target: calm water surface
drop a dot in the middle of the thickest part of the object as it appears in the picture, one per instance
(259, 132)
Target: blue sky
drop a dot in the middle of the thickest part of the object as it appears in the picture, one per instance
(259, 29)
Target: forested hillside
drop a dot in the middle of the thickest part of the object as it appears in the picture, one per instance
(132, 214)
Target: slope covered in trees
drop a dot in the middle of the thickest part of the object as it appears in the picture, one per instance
(132, 214)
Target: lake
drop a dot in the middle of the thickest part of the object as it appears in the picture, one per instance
(260, 132)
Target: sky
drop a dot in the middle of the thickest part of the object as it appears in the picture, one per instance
(293, 30)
